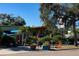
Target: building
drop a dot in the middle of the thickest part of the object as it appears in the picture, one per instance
(36, 31)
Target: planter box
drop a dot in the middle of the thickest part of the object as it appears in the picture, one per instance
(58, 44)
(46, 47)
(33, 47)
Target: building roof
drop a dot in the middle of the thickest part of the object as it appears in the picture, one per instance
(40, 28)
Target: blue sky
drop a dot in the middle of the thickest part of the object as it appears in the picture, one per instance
(77, 24)
(29, 11)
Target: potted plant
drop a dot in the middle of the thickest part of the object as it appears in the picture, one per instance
(57, 39)
(46, 45)
(33, 41)
(33, 46)
(46, 42)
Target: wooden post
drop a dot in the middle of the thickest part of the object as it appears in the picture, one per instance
(22, 39)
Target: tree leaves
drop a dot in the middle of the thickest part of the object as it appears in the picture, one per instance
(9, 20)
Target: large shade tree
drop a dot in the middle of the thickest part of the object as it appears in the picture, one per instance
(52, 13)
(46, 16)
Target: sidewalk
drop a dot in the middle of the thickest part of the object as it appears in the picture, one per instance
(66, 47)
(26, 50)
(12, 50)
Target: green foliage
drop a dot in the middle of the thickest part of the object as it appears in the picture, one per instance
(45, 15)
(68, 40)
(33, 44)
(57, 38)
(68, 13)
(1, 32)
(71, 40)
(5, 37)
(45, 38)
(22, 28)
(32, 39)
(9, 20)
(46, 43)
(77, 30)
(6, 40)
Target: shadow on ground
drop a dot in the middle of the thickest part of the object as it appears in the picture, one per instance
(25, 48)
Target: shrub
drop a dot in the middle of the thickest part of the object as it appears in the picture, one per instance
(45, 38)
(68, 40)
(6, 40)
(46, 43)
(33, 39)
(33, 44)
(57, 38)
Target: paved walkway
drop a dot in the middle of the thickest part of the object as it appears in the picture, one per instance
(12, 50)
(25, 51)
(47, 53)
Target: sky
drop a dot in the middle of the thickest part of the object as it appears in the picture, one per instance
(77, 24)
(29, 11)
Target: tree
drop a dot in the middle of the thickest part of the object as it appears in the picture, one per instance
(47, 15)
(73, 12)
(66, 14)
(9, 20)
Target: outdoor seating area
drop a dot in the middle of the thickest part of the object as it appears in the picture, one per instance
(38, 37)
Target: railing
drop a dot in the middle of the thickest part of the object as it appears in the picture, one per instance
(8, 28)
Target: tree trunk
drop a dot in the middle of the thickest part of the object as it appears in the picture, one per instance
(75, 34)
